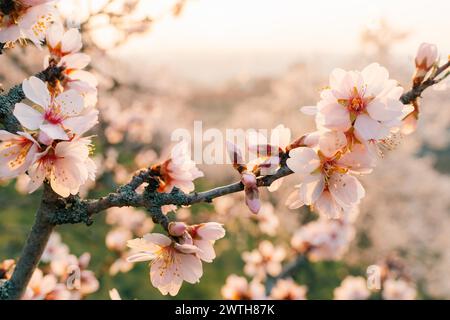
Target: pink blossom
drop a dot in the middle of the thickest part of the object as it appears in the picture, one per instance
(352, 288)
(326, 182)
(55, 248)
(367, 101)
(179, 171)
(238, 288)
(117, 238)
(28, 19)
(54, 116)
(398, 290)
(40, 286)
(17, 152)
(63, 43)
(204, 236)
(266, 259)
(323, 239)
(287, 289)
(67, 166)
(171, 262)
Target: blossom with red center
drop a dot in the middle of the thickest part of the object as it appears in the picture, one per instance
(367, 101)
(66, 166)
(60, 117)
(327, 184)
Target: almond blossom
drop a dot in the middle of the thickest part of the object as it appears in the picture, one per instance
(85, 282)
(367, 101)
(63, 43)
(27, 19)
(264, 260)
(17, 152)
(171, 262)
(323, 239)
(66, 166)
(64, 47)
(287, 289)
(352, 288)
(203, 236)
(53, 116)
(179, 171)
(238, 288)
(55, 249)
(398, 289)
(326, 183)
(40, 286)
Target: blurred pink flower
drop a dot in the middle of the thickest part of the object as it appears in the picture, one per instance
(266, 259)
(398, 290)
(237, 288)
(352, 288)
(287, 289)
(40, 286)
(323, 239)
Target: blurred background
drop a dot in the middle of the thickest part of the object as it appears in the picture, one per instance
(161, 64)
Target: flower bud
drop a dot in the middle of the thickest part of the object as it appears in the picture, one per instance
(177, 228)
(251, 192)
(426, 57)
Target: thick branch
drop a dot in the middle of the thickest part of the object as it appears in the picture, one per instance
(33, 249)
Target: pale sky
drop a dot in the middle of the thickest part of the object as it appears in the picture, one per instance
(214, 33)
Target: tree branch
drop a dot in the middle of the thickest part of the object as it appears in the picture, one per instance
(416, 91)
(33, 249)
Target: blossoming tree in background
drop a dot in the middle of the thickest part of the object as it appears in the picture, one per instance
(45, 142)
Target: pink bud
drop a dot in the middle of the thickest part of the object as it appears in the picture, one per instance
(253, 203)
(177, 229)
(251, 192)
(426, 56)
(248, 179)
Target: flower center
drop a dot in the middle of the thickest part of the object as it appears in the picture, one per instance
(53, 116)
